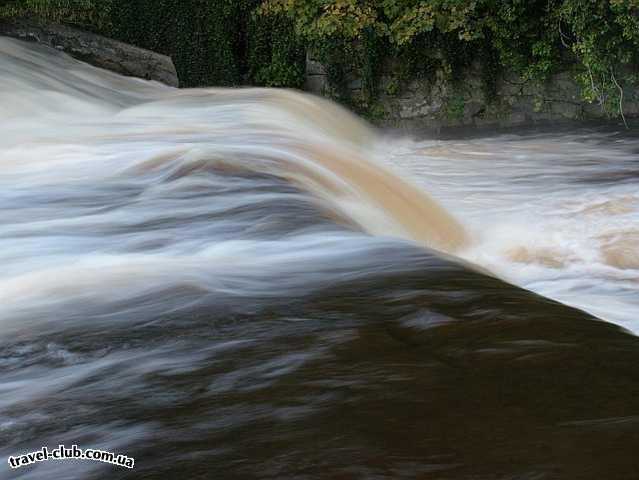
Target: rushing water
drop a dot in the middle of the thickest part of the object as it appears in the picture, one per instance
(555, 212)
(243, 284)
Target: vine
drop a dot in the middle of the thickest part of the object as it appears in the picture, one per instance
(263, 42)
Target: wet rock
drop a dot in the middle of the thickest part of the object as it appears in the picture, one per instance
(95, 49)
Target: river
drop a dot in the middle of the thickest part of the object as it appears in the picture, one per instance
(253, 283)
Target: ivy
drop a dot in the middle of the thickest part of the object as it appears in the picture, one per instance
(264, 42)
(534, 38)
(276, 56)
(209, 40)
(86, 13)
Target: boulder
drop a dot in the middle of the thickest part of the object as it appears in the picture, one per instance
(95, 49)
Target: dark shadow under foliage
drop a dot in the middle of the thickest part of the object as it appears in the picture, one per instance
(213, 43)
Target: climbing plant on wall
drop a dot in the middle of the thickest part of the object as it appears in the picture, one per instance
(209, 40)
(534, 38)
(263, 42)
(88, 13)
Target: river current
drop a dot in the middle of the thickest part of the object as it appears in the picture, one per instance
(253, 283)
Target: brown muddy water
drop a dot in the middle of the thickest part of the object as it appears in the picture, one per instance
(255, 284)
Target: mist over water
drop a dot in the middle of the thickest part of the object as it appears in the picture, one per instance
(255, 284)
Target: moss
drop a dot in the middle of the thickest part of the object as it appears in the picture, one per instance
(455, 107)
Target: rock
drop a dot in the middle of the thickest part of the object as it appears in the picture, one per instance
(437, 101)
(316, 84)
(473, 109)
(313, 67)
(419, 108)
(316, 76)
(355, 84)
(566, 110)
(94, 49)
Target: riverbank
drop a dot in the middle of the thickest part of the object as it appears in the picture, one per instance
(442, 104)
(435, 105)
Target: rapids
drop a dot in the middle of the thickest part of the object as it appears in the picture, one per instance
(253, 283)
(554, 211)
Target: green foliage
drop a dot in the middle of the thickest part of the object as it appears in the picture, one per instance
(263, 42)
(209, 40)
(534, 38)
(206, 39)
(214, 42)
(276, 56)
(88, 13)
(604, 36)
(455, 107)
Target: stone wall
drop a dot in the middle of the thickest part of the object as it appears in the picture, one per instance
(437, 103)
(94, 49)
